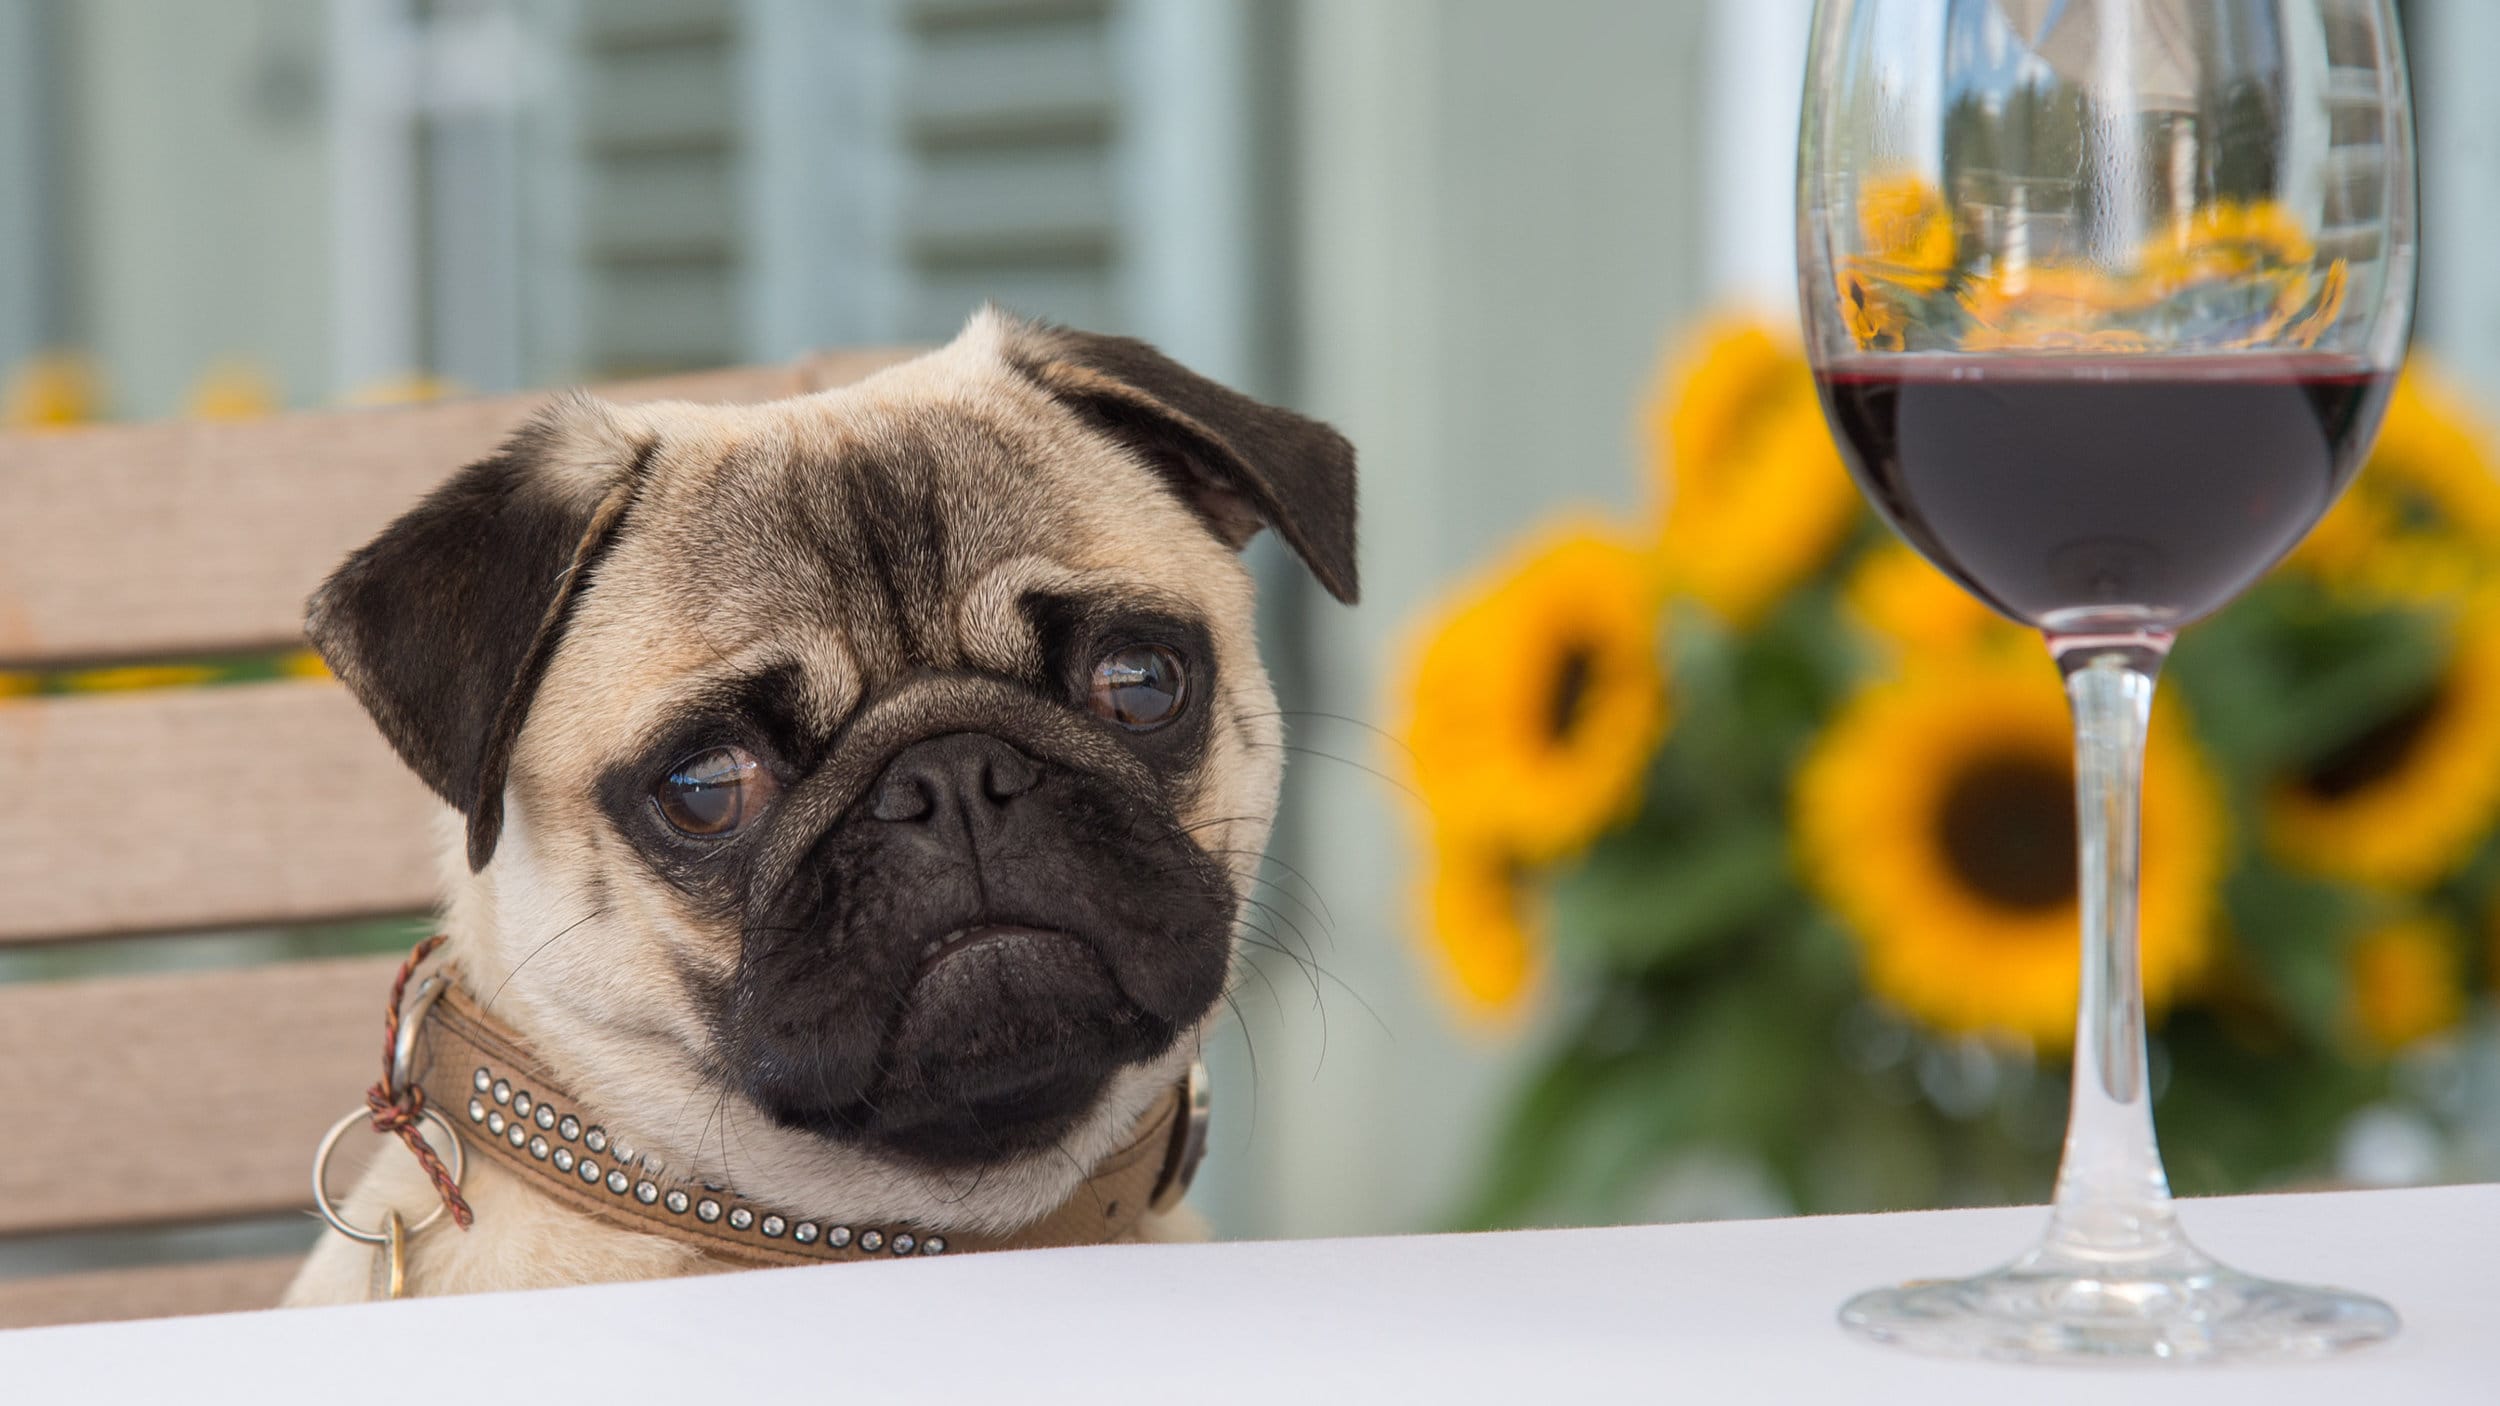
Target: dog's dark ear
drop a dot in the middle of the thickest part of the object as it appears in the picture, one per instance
(443, 625)
(1240, 463)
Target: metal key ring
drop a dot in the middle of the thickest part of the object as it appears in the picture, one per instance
(321, 1165)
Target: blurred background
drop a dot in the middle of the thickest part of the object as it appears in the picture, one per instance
(1506, 246)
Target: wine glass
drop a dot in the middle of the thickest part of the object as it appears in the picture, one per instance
(2104, 298)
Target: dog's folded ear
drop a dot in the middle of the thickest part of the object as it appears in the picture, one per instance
(442, 625)
(1239, 463)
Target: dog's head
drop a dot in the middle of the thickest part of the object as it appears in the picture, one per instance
(856, 791)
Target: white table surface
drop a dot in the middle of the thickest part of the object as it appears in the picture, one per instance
(1734, 1312)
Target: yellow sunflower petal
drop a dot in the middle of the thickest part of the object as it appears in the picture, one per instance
(2047, 307)
(1905, 229)
(2404, 982)
(1904, 252)
(1894, 594)
(1756, 495)
(2422, 520)
(1537, 697)
(1477, 921)
(1935, 817)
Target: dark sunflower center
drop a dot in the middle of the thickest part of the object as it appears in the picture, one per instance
(1570, 696)
(2007, 827)
(2416, 511)
(2374, 755)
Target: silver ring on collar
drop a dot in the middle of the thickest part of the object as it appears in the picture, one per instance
(411, 1019)
(1189, 1141)
(321, 1166)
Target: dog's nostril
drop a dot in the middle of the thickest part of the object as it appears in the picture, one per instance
(902, 798)
(964, 773)
(1008, 774)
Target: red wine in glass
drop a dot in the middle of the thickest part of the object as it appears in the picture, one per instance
(2075, 491)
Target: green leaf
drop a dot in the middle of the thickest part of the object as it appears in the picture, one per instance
(1642, 905)
(2286, 676)
(2294, 931)
(2239, 1116)
(1533, 1150)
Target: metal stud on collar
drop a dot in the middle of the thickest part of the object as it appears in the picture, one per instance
(632, 1177)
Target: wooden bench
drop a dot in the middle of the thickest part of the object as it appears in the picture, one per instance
(194, 1099)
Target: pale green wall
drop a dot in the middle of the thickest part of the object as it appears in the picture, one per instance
(197, 178)
(1497, 227)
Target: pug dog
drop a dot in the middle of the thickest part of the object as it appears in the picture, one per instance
(855, 795)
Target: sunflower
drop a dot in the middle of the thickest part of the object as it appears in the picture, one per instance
(1481, 924)
(52, 391)
(1936, 817)
(1895, 595)
(2050, 307)
(2245, 271)
(2405, 802)
(2422, 521)
(1756, 497)
(1904, 254)
(1537, 696)
(1905, 232)
(2229, 239)
(2403, 982)
(1877, 320)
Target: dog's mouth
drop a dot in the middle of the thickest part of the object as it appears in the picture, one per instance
(986, 980)
(1004, 939)
(1004, 1034)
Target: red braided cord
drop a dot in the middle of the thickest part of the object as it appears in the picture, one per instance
(400, 1110)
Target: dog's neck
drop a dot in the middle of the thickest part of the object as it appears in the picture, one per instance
(510, 1109)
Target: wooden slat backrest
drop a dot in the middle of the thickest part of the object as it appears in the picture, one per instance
(159, 539)
(188, 1099)
(201, 808)
(169, 1099)
(155, 1291)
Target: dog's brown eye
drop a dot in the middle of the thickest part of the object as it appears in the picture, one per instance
(713, 793)
(1139, 687)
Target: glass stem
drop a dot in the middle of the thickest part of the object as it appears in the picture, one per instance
(2113, 1199)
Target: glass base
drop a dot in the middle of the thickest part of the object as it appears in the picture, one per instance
(2178, 1307)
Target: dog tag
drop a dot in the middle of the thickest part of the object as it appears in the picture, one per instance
(390, 1260)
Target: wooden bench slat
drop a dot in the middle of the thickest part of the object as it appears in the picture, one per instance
(193, 1097)
(156, 1291)
(227, 807)
(135, 540)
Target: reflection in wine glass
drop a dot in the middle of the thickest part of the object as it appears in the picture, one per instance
(2104, 298)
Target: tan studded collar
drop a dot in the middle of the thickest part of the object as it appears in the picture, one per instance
(481, 1077)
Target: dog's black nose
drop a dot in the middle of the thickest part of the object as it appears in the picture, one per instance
(962, 773)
